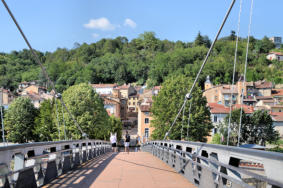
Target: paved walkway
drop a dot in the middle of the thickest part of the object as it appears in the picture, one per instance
(136, 169)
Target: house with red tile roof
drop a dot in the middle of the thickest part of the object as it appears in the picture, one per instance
(277, 94)
(219, 112)
(275, 56)
(277, 118)
(144, 120)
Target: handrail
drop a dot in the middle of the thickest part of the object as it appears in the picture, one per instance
(23, 159)
(220, 156)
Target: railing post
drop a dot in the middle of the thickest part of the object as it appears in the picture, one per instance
(19, 163)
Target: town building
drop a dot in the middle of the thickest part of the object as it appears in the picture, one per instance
(113, 102)
(144, 115)
(219, 112)
(6, 97)
(155, 90)
(222, 94)
(126, 90)
(36, 93)
(277, 118)
(144, 120)
(112, 105)
(277, 41)
(275, 56)
(277, 94)
(104, 89)
(133, 103)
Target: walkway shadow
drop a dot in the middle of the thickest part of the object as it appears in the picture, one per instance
(84, 175)
(147, 166)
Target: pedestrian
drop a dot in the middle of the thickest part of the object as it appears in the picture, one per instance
(127, 142)
(113, 140)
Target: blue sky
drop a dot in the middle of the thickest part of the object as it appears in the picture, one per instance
(50, 24)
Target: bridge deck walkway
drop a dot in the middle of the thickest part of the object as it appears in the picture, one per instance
(122, 170)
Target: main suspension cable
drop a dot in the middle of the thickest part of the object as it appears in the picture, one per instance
(42, 67)
(188, 95)
(245, 73)
(234, 70)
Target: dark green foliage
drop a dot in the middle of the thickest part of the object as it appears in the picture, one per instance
(234, 127)
(260, 129)
(202, 41)
(87, 108)
(19, 121)
(264, 45)
(256, 128)
(45, 126)
(167, 104)
(145, 59)
(116, 126)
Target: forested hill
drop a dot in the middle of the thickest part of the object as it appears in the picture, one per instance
(145, 59)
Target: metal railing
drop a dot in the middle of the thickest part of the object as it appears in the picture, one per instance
(35, 164)
(209, 165)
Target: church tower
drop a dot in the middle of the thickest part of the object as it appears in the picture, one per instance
(207, 84)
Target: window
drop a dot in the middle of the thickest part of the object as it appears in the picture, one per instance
(146, 120)
(129, 103)
(134, 103)
(146, 132)
(146, 113)
(215, 118)
(227, 103)
(214, 130)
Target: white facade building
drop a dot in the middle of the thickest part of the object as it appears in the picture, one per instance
(275, 56)
(277, 41)
(104, 89)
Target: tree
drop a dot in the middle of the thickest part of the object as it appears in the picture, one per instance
(19, 121)
(264, 45)
(167, 103)
(116, 127)
(234, 127)
(256, 128)
(202, 40)
(87, 108)
(260, 129)
(45, 126)
(149, 41)
(232, 35)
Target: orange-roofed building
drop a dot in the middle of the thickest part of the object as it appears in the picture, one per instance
(277, 94)
(277, 118)
(275, 56)
(219, 112)
(144, 120)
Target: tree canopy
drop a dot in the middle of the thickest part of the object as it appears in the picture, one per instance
(167, 104)
(19, 121)
(256, 128)
(87, 108)
(145, 59)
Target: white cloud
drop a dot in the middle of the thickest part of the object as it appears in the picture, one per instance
(95, 35)
(100, 23)
(130, 23)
